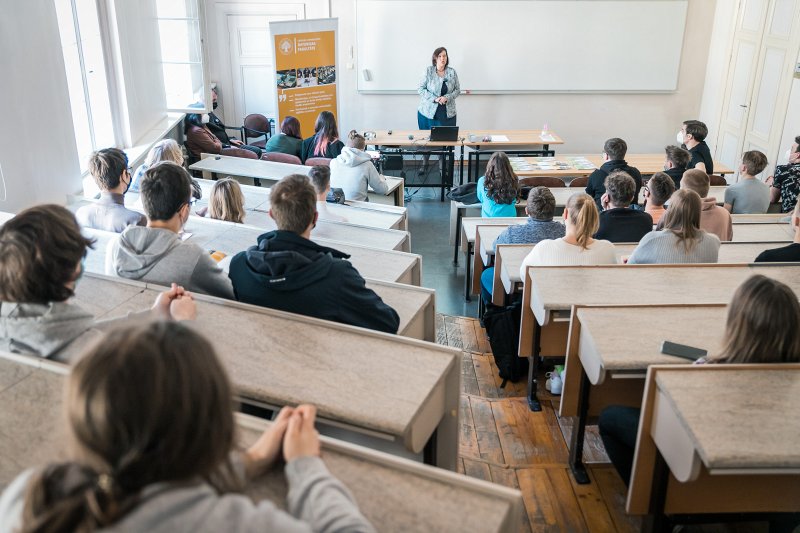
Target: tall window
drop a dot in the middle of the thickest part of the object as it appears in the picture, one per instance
(86, 76)
(182, 54)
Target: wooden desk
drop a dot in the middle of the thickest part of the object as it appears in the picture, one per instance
(610, 348)
(550, 292)
(525, 141)
(767, 218)
(352, 369)
(762, 232)
(273, 172)
(705, 446)
(468, 233)
(393, 493)
(647, 164)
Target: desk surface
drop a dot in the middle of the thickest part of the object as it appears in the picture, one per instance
(394, 494)
(513, 138)
(734, 420)
(349, 367)
(646, 164)
(762, 232)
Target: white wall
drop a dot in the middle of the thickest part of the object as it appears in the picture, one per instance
(647, 121)
(38, 153)
(791, 127)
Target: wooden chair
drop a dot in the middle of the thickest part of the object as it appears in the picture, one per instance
(582, 182)
(279, 157)
(716, 179)
(541, 181)
(313, 161)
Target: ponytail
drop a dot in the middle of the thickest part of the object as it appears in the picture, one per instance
(583, 216)
(356, 140)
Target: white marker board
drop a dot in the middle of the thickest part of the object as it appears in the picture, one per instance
(511, 46)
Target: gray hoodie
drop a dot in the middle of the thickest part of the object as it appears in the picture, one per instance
(159, 256)
(352, 171)
(316, 500)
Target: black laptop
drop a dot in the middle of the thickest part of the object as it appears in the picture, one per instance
(444, 133)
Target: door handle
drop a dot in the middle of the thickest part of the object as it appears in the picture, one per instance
(743, 105)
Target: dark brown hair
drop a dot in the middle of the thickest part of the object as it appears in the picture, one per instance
(149, 403)
(678, 156)
(698, 130)
(165, 188)
(501, 182)
(293, 203)
(356, 140)
(106, 167)
(696, 180)
(325, 131)
(661, 188)
(320, 176)
(40, 250)
(754, 161)
(583, 215)
(620, 187)
(683, 218)
(436, 54)
(762, 324)
(291, 127)
(541, 203)
(615, 148)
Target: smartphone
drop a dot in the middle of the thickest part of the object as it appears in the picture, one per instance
(681, 350)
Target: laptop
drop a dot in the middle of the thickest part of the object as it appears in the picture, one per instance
(444, 133)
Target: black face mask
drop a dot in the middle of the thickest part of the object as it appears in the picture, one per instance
(214, 105)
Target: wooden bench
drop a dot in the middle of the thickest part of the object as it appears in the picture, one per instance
(393, 493)
(399, 392)
(717, 439)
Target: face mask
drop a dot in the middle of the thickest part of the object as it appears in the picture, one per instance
(787, 154)
(215, 105)
(205, 118)
(679, 138)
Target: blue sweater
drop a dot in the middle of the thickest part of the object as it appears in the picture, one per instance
(531, 232)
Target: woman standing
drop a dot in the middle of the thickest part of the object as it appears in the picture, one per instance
(438, 91)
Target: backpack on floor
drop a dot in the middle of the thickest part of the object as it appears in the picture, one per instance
(502, 328)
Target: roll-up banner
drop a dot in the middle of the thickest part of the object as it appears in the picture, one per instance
(305, 70)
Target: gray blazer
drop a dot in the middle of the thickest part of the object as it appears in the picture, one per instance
(430, 88)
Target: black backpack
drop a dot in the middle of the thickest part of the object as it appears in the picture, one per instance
(466, 194)
(502, 328)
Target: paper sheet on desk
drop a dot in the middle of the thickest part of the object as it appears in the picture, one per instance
(547, 137)
(500, 138)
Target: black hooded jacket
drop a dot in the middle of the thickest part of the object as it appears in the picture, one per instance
(596, 187)
(288, 272)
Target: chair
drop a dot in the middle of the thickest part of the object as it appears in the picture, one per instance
(716, 179)
(279, 157)
(257, 125)
(541, 181)
(583, 181)
(313, 161)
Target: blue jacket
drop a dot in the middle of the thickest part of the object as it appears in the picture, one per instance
(430, 88)
(288, 272)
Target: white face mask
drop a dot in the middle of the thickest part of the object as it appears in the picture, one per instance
(205, 118)
(788, 154)
(679, 137)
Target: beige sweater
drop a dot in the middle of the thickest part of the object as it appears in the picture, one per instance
(715, 219)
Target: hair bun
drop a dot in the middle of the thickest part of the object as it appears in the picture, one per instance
(353, 134)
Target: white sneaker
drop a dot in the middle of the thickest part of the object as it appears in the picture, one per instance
(548, 383)
(556, 384)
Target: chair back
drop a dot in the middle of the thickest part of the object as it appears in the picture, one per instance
(716, 179)
(583, 181)
(541, 181)
(239, 152)
(257, 125)
(279, 157)
(313, 161)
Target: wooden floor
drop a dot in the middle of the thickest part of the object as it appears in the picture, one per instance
(504, 442)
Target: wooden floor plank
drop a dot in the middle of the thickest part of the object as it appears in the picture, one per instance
(468, 337)
(469, 379)
(593, 450)
(593, 506)
(486, 430)
(452, 327)
(614, 493)
(549, 501)
(511, 389)
(477, 469)
(483, 340)
(441, 330)
(483, 372)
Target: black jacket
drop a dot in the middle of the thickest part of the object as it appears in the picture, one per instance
(307, 149)
(623, 224)
(702, 154)
(676, 173)
(596, 185)
(288, 272)
(218, 129)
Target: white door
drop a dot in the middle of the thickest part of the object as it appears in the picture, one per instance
(765, 44)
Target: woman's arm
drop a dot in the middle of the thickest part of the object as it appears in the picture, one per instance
(375, 180)
(455, 90)
(423, 90)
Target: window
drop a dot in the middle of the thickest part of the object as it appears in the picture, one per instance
(85, 67)
(179, 27)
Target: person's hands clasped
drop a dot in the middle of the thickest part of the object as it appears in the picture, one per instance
(605, 202)
(236, 142)
(175, 303)
(267, 449)
(302, 438)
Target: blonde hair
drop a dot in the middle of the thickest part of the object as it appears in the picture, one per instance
(683, 218)
(164, 150)
(583, 216)
(226, 201)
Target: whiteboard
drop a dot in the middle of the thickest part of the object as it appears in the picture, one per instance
(508, 46)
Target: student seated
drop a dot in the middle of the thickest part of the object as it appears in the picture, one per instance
(614, 152)
(288, 140)
(498, 189)
(320, 177)
(156, 253)
(540, 225)
(152, 447)
(220, 130)
(352, 170)
(692, 137)
(713, 218)
(577, 247)
(163, 150)
(226, 201)
(109, 168)
(41, 261)
(761, 328)
(657, 193)
(675, 163)
(785, 254)
(287, 271)
(750, 195)
(680, 239)
(325, 142)
(200, 139)
(785, 183)
(618, 222)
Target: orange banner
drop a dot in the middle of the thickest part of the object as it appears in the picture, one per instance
(305, 65)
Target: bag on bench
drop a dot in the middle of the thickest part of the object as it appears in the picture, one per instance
(502, 328)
